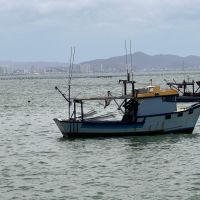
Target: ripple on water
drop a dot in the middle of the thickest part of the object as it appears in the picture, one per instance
(37, 163)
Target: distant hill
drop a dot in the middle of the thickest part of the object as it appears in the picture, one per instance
(142, 61)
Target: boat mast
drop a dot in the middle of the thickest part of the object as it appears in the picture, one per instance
(68, 99)
(128, 81)
(131, 56)
(129, 69)
(128, 76)
(70, 78)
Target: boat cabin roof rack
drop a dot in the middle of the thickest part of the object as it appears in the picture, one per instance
(78, 100)
(182, 86)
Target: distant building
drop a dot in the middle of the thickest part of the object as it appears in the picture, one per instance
(3, 71)
(86, 68)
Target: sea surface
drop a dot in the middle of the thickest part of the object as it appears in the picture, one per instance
(36, 163)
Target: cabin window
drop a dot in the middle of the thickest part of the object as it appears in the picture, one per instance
(167, 116)
(180, 114)
(151, 89)
(169, 98)
(190, 111)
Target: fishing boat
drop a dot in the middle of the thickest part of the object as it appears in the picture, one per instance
(188, 90)
(145, 111)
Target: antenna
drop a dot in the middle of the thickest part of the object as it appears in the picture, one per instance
(131, 59)
(126, 58)
(131, 54)
(183, 65)
(71, 63)
(127, 67)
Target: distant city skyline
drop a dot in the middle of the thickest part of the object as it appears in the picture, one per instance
(44, 30)
(140, 62)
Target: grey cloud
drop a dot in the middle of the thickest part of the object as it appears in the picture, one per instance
(143, 13)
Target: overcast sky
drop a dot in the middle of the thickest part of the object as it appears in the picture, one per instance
(44, 30)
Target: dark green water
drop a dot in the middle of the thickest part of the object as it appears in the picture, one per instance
(37, 163)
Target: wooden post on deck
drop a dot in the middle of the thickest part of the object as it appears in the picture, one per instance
(74, 110)
(81, 110)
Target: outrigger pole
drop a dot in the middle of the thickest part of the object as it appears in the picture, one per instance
(62, 93)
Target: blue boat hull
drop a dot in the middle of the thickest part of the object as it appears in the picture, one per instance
(176, 122)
